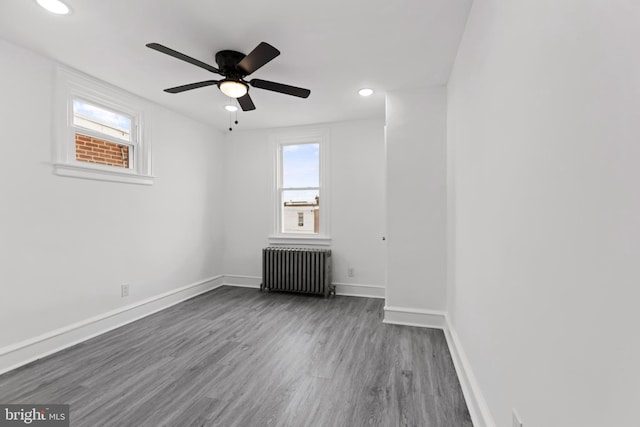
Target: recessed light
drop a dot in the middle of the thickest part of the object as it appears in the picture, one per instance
(231, 108)
(365, 92)
(54, 6)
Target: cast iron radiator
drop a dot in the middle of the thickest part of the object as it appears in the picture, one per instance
(297, 270)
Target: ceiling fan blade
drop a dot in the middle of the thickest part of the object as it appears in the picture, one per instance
(183, 57)
(183, 88)
(259, 56)
(281, 88)
(246, 103)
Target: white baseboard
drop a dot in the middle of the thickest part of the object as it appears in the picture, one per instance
(16, 355)
(242, 281)
(344, 289)
(414, 317)
(477, 405)
(360, 290)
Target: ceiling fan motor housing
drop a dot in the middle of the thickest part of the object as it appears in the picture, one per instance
(227, 61)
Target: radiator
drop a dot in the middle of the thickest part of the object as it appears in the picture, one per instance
(297, 270)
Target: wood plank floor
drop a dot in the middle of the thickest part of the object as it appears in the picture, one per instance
(238, 357)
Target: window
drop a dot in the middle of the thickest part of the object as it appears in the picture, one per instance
(102, 136)
(300, 186)
(301, 196)
(99, 131)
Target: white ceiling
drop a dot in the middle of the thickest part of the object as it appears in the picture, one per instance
(333, 47)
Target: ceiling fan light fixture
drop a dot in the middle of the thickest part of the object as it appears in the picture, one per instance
(231, 108)
(233, 88)
(365, 92)
(54, 6)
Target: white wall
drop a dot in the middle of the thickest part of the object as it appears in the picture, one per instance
(357, 201)
(544, 150)
(67, 244)
(416, 198)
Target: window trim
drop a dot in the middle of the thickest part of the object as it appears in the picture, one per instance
(318, 136)
(71, 85)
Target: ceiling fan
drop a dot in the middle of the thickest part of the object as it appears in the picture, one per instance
(234, 67)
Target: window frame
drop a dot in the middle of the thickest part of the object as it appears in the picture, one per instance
(72, 85)
(296, 137)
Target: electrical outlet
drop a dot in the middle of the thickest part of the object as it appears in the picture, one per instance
(350, 272)
(515, 420)
(124, 290)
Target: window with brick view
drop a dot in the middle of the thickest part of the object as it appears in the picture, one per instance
(94, 150)
(102, 136)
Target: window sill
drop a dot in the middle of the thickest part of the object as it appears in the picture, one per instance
(299, 240)
(100, 174)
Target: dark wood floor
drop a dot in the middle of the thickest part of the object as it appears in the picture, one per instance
(238, 357)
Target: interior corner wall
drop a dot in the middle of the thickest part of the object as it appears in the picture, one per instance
(356, 167)
(543, 128)
(416, 198)
(68, 244)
